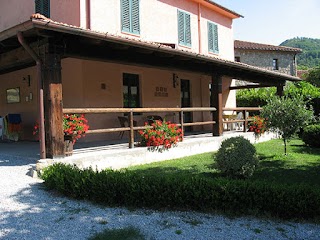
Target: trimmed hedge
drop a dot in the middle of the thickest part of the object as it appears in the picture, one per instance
(131, 189)
(311, 135)
(237, 157)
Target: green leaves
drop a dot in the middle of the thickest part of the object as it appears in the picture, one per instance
(133, 189)
(286, 116)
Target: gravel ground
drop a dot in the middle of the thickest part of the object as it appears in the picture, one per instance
(27, 211)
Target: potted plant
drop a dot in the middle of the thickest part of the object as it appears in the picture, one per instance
(162, 136)
(74, 127)
(258, 126)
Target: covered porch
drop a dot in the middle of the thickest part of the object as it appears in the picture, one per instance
(47, 43)
(116, 154)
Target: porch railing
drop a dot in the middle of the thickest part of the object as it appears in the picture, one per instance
(131, 128)
(246, 118)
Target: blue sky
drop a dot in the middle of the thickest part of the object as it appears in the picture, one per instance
(274, 21)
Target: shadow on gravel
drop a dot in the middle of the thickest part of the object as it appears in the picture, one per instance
(12, 160)
(43, 215)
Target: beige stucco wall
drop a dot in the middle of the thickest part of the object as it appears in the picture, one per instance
(26, 107)
(82, 81)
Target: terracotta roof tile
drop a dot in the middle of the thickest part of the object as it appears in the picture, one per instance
(266, 47)
(302, 73)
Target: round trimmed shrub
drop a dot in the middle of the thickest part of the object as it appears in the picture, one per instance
(237, 157)
(311, 135)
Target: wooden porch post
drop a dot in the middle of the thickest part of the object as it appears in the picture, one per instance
(280, 89)
(53, 105)
(216, 101)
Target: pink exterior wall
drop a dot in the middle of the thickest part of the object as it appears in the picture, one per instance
(13, 12)
(158, 23)
(65, 11)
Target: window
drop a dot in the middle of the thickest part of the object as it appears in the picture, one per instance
(213, 45)
(237, 59)
(131, 96)
(130, 16)
(184, 28)
(43, 7)
(275, 65)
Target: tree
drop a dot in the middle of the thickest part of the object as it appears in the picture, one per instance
(286, 116)
(313, 77)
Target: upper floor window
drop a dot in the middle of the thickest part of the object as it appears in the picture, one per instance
(184, 28)
(130, 16)
(275, 65)
(43, 7)
(237, 59)
(213, 45)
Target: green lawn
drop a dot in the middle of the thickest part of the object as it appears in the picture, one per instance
(300, 166)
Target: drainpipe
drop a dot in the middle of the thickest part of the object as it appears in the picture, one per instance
(199, 28)
(40, 91)
(88, 14)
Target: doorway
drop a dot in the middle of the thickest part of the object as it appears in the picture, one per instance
(186, 102)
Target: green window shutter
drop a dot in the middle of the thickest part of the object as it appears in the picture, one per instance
(130, 16)
(216, 41)
(187, 29)
(213, 38)
(210, 37)
(135, 17)
(43, 7)
(181, 27)
(38, 8)
(184, 28)
(125, 15)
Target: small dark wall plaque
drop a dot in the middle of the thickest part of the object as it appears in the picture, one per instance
(161, 92)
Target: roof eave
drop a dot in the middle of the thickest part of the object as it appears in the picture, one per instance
(65, 28)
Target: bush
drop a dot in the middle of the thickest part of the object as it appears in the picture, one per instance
(134, 189)
(311, 135)
(237, 157)
(254, 97)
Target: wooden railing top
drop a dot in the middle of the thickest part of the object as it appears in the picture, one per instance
(136, 110)
(242, 109)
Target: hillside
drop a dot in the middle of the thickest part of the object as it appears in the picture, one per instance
(310, 57)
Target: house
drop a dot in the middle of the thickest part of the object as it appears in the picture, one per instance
(274, 58)
(95, 55)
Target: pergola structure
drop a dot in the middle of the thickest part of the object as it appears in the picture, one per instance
(44, 43)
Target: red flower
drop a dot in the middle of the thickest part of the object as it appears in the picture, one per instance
(162, 136)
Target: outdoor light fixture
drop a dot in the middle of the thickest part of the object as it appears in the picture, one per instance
(28, 78)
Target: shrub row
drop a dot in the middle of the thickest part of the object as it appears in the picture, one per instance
(311, 135)
(130, 189)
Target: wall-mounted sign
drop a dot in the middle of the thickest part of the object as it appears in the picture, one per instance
(161, 92)
(13, 95)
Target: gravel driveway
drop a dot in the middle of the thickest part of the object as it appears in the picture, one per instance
(27, 211)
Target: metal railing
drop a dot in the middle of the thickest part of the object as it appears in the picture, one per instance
(131, 128)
